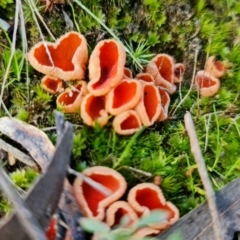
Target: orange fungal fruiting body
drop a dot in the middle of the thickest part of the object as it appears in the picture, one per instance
(149, 107)
(93, 110)
(51, 233)
(70, 100)
(106, 66)
(179, 70)
(165, 102)
(92, 202)
(146, 231)
(161, 68)
(51, 84)
(117, 211)
(127, 123)
(215, 68)
(145, 77)
(145, 197)
(207, 83)
(127, 73)
(65, 59)
(124, 96)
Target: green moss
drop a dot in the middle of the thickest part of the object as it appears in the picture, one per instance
(5, 3)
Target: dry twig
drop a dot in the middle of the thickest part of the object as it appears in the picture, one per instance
(17, 154)
(196, 151)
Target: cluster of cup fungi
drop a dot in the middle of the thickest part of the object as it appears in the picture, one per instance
(111, 90)
(140, 201)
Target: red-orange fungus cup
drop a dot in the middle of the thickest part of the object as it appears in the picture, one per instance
(149, 107)
(124, 96)
(165, 102)
(215, 67)
(117, 211)
(51, 84)
(161, 68)
(127, 123)
(65, 59)
(106, 66)
(92, 202)
(179, 70)
(93, 110)
(145, 197)
(145, 77)
(70, 100)
(207, 84)
(127, 73)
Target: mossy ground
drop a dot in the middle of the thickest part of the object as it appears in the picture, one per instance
(188, 30)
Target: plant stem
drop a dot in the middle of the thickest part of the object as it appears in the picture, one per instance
(218, 148)
(128, 147)
(196, 151)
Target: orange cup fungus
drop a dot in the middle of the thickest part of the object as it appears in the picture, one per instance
(179, 70)
(145, 197)
(127, 123)
(149, 107)
(127, 73)
(65, 59)
(165, 102)
(51, 233)
(106, 66)
(93, 110)
(52, 230)
(117, 211)
(146, 232)
(70, 100)
(124, 96)
(145, 77)
(51, 84)
(161, 68)
(215, 68)
(92, 202)
(207, 83)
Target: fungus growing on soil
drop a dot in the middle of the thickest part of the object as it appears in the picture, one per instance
(106, 66)
(165, 102)
(146, 197)
(65, 59)
(92, 202)
(51, 84)
(70, 100)
(207, 83)
(93, 110)
(51, 233)
(161, 68)
(149, 107)
(179, 70)
(117, 211)
(124, 96)
(215, 68)
(146, 231)
(127, 123)
(145, 77)
(127, 73)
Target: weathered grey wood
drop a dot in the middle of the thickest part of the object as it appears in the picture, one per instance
(42, 198)
(197, 225)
